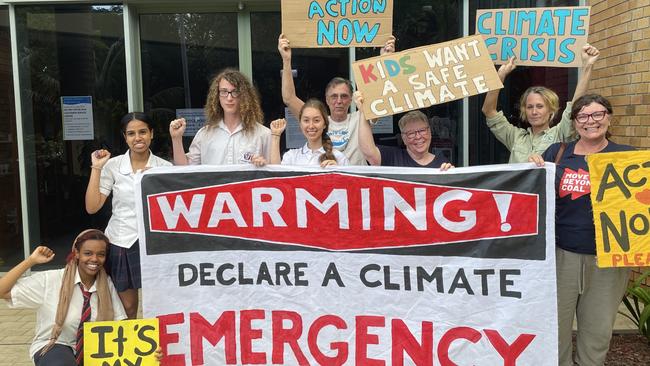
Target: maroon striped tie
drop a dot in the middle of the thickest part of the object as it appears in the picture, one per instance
(85, 316)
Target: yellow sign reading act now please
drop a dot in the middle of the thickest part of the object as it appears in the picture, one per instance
(620, 196)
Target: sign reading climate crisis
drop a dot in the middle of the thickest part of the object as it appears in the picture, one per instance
(337, 23)
(288, 266)
(424, 76)
(620, 196)
(535, 36)
(121, 343)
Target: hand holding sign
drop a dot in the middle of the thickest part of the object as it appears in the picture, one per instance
(284, 48)
(389, 46)
(506, 69)
(589, 54)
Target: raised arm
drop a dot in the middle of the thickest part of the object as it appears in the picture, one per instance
(366, 140)
(94, 198)
(490, 104)
(589, 56)
(176, 130)
(277, 127)
(389, 46)
(289, 96)
(40, 255)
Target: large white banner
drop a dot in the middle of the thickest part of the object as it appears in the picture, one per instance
(354, 266)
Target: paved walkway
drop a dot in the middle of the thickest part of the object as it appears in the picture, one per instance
(17, 331)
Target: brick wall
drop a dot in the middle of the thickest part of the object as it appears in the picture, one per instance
(621, 31)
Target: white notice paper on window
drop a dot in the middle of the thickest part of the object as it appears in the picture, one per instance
(77, 118)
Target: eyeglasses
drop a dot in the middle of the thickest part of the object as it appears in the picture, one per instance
(338, 96)
(413, 134)
(596, 116)
(233, 93)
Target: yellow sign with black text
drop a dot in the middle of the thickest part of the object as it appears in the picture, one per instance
(620, 196)
(123, 343)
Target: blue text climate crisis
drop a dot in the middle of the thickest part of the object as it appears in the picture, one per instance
(540, 35)
(404, 278)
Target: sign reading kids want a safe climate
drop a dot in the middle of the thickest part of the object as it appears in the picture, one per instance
(337, 23)
(535, 36)
(424, 76)
(620, 196)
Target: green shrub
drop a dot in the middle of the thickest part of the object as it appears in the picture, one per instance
(637, 302)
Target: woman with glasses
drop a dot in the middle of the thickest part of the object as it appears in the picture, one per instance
(233, 133)
(590, 293)
(416, 134)
(537, 106)
(318, 149)
(343, 126)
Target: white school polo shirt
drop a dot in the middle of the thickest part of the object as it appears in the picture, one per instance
(218, 146)
(40, 291)
(118, 177)
(307, 156)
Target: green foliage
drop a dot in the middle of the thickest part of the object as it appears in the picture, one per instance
(637, 302)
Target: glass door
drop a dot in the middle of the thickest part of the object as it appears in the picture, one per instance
(67, 52)
(180, 53)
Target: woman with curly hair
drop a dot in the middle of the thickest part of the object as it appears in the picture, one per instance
(318, 149)
(233, 133)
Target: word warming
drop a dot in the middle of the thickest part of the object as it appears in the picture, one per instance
(121, 343)
(620, 196)
(337, 23)
(298, 210)
(424, 76)
(535, 36)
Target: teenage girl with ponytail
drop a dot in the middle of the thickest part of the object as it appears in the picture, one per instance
(318, 148)
(57, 296)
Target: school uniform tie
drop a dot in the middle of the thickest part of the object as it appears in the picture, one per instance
(85, 316)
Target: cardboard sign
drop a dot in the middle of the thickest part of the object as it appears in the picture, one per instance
(620, 196)
(328, 23)
(350, 266)
(424, 76)
(121, 343)
(535, 36)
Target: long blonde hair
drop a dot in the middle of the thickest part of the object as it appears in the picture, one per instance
(104, 302)
(250, 109)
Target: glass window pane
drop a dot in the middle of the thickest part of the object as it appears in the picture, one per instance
(67, 50)
(180, 54)
(11, 238)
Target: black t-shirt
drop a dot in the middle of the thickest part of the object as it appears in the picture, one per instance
(574, 221)
(394, 156)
